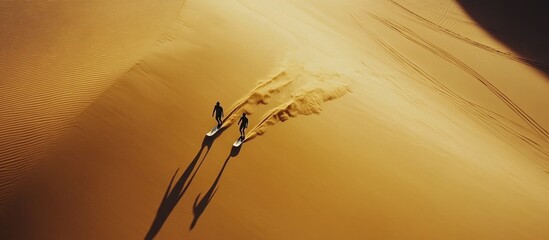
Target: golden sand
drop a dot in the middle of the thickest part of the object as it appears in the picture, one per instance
(368, 120)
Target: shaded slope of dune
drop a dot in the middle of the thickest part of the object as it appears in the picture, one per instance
(438, 26)
(521, 25)
(56, 58)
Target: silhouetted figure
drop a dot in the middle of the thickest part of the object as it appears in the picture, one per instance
(218, 111)
(243, 122)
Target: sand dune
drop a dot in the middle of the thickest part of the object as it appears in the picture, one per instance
(56, 58)
(378, 119)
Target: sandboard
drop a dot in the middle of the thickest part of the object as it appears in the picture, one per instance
(238, 142)
(213, 131)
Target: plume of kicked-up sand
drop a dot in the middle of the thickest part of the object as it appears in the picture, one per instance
(260, 94)
(304, 102)
(293, 74)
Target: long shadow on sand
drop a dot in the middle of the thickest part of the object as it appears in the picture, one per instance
(200, 206)
(173, 195)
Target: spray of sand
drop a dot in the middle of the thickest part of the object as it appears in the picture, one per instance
(303, 86)
(259, 95)
(304, 102)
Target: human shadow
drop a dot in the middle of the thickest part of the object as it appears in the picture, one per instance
(519, 24)
(200, 206)
(173, 195)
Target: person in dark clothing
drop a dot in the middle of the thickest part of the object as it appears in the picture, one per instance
(243, 122)
(218, 111)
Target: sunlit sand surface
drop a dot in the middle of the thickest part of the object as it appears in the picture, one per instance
(373, 119)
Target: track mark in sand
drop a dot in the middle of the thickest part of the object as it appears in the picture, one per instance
(492, 120)
(446, 11)
(437, 27)
(415, 38)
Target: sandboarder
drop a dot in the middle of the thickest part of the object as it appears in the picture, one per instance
(218, 111)
(243, 122)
